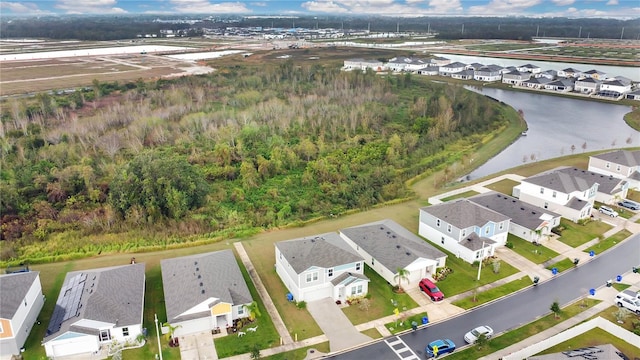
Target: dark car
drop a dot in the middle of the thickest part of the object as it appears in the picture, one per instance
(431, 290)
(439, 347)
(629, 204)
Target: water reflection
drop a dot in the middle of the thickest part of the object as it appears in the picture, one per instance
(559, 126)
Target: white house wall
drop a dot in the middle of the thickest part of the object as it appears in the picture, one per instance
(611, 169)
(27, 313)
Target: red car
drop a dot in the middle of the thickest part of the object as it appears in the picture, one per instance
(431, 290)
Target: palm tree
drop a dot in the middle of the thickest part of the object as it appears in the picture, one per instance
(555, 308)
(253, 310)
(401, 274)
(172, 330)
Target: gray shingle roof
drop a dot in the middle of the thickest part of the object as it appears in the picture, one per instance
(474, 242)
(192, 280)
(325, 251)
(622, 157)
(391, 244)
(577, 204)
(463, 213)
(456, 64)
(606, 184)
(13, 289)
(354, 277)
(521, 213)
(560, 181)
(112, 295)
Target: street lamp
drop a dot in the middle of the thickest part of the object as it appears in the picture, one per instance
(158, 335)
(481, 258)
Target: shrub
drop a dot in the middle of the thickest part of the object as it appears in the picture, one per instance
(301, 304)
(509, 244)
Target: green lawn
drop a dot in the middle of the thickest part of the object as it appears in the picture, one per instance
(381, 300)
(535, 253)
(465, 194)
(493, 293)
(372, 333)
(575, 235)
(464, 275)
(611, 241)
(594, 337)
(299, 354)
(265, 337)
(504, 186)
(404, 323)
(562, 265)
(522, 333)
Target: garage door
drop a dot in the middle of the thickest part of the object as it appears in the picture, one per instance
(317, 294)
(193, 326)
(71, 348)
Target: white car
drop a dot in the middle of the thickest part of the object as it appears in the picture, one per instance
(474, 334)
(605, 210)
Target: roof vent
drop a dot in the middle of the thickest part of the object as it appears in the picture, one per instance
(200, 284)
(522, 208)
(408, 253)
(199, 276)
(393, 236)
(195, 263)
(197, 269)
(397, 246)
(381, 227)
(533, 212)
(202, 292)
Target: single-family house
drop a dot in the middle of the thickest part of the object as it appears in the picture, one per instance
(610, 189)
(429, 70)
(621, 164)
(363, 64)
(515, 77)
(416, 63)
(488, 73)
(614, 88)
(529, 68)
(560, 191)
(529, 222)
(474, 66)
(439, 61)
(387, 247)
(508, 69)
(204, 292)
(569, 73)
(398, 63)
(633, 95)
(587, 85)
(470, 231)
(454, 67)
(466, 74)
(95, 308)
(561, 85)
(21, 300)
(549, 74)
(322, 266)
(535, 83)
(594, 74)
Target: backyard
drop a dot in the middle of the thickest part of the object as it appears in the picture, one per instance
(504, 186)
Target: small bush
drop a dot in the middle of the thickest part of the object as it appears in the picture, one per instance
(301, 304)
(509, 244)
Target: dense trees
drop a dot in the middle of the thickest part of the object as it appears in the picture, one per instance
(244, 148)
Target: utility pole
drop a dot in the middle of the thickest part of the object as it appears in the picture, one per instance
(621, 35)
(398, 27)
(158, 335)
(428, 28)
(480, 264)
(580, 32)
(537, 30)
(462, 32)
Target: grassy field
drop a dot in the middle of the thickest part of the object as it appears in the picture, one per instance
(299, 354)
(372, 333)
(493, 293)
(521, 333)
(609, 242)
(537, 254)
(465, 194)
(504, 186)
(575, 235)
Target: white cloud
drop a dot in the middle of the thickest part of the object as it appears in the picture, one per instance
(259, 3)
(89, 7)
(563, 2)
(21, 8)
(503, 7)
(385, 7)
(205, 6)
(612, 2)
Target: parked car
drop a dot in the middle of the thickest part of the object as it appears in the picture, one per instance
(474, 334)
(629, 204)
(630, 304)
(432, 291)
(439, 347)
(605, 210)
(628, 294)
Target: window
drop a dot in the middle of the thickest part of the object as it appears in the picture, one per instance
(312, 276)
(105, 335)
(442, 241)
(501, 226)
(448, 227)
(438, 222)
(240, 310)
(477, 254)
(359, 291)
(373, 261)
(353, 290)
(315, 276)
(25, 302)
(554, 195)
(125, 331)
(618, 167)
(486, 230)
(330, 272)
(541, 190)
(358, 266)
(464, 232)
(607, 165)
(546, 205)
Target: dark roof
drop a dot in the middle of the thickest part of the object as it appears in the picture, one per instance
(353, 277)
(540, 80)
(571, 70)
(466, 72)
(606, 184)
(521, 213)
(192, 280)
(593, 71)
(529, 66)
(566, 182)
(622, 157)
(562, 82)
(112, 295)
(463, 213)
(517, 73)
(391, 244)
(588, 80)
(475, 242)
(577, 204)
(454, 65)
(13, 289)
(325, 251)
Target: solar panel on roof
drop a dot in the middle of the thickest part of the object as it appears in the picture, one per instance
(68, 304)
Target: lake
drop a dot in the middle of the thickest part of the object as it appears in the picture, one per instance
(558, 126)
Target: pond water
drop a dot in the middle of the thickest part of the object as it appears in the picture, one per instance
(558, 126)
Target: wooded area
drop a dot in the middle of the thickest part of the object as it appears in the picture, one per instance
(143, 165)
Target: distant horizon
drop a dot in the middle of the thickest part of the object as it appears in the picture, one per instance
(614, 9)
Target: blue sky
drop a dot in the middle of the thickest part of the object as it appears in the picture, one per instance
(570, 8)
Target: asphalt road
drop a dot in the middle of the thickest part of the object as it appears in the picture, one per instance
(518, 309)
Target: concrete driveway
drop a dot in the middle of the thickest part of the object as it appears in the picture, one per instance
(197, 346)
(335, 325)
